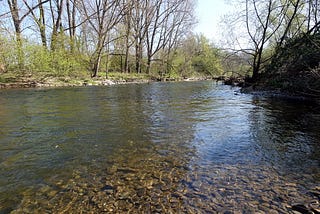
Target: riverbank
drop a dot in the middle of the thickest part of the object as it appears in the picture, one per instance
(303, 87)
(29, 81)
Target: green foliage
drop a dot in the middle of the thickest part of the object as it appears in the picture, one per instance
(38, 61)
(194, 57)
(66, 64)
(8, 53)
(197, 55)
(114, 63)
(301, 53)
(207, 58)
(4, 79)
(56, 63)
(295, 66)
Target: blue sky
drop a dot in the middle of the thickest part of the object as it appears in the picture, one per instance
(209, 13)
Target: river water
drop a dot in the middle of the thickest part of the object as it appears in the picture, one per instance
(188, 147)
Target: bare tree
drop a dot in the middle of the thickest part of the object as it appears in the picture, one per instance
(168, 20)
(177, 26)
(290, 17)
(14, 9)
(128, 27)
(262, 20)
(313, 13)
(102, 16)
(39, 20)
(56, 9)
(71, 16)
(143, 31)
(17, 19)
(268, 24)
(140, 11)
(259, 38)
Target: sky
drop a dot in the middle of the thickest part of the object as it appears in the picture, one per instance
(209, 13)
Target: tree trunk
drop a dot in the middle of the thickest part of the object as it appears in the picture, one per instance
(255, 68)
(148, 65)
(126, 59)
(96, 65)
(42, 25)
(40, 21)
(128, 28)
(14, 10)
(71, 12)
(138, 57)
(107, 65)
(96, 58)
(56, 23)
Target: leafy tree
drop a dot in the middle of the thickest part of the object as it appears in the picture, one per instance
(206, 59)
(197, 55)
(267, 24)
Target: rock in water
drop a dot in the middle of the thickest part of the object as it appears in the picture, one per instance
(301, 208)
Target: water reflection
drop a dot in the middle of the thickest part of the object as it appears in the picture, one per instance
(161, 147)
(285, 132)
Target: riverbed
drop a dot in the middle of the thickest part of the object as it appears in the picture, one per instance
(181, 147)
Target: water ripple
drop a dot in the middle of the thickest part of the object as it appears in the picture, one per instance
(163, 147)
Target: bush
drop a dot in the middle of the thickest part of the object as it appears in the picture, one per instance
(295, 66)
(301, 53)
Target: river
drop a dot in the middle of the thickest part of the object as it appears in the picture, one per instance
(190, 147)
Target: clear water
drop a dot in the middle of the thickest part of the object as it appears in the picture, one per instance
(192, 147)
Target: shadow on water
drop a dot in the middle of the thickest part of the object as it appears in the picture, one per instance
(286, 131)
(161, 147)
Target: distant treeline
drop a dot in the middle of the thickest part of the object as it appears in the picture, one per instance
(72, 37)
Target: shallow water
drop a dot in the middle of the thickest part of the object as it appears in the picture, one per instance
(191, 147)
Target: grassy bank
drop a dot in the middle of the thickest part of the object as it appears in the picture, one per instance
(29, 64)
